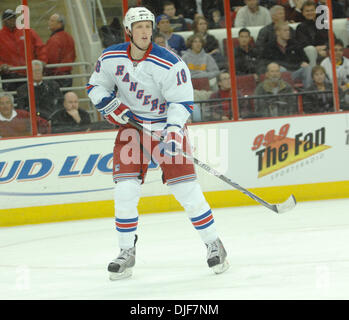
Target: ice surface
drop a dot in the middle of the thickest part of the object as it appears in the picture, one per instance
(302, 254)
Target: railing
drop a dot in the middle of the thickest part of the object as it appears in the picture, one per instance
(88, 67)
(204, 106)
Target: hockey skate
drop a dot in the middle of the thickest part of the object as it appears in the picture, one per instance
(216, 256)
(121, 267)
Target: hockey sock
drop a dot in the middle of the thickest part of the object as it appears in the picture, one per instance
(190, 196)
(126, 196)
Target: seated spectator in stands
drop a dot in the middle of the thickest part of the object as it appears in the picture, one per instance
(48, 97)
(207, 5)
(215, 19)
(112, 33)
(312, 39)
(12, 53)
(245, 56)
(319, 102)
(267, 33)
(189, 9)
(211, 43)
(160, 40)
(60, 49)
(223, 110)
(337, 8)
(287, 53)
(174, 41)
(252, 14)
(177, 22)
(342, 68)
(14, 123)
(277, 105)
(71, 118)
(200, 64)
(293, 10)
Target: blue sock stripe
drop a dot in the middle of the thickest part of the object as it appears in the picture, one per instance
(126, 230)
(126, 220)
(206, 214)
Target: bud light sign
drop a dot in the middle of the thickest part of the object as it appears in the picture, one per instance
(55, 167)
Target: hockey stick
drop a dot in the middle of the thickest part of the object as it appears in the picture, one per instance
(287, 205)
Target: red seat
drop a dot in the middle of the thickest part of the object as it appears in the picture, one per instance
(201, 84)
(246, 84)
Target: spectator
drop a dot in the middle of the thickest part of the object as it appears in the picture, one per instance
(60, 49)
(293, 10)
(267, 33)
(71, 118)
(252, 14)
(200, 64)
(12, 50)
(245, 55)
(112, 33)
(287, 53)
(48, 97)
(312, 39)
(342, 68)
(215, 19)
(177, 22)
(211, 43)
(222, 110)
(153, 5)
(174, 41)
(208, 5)
(275, 106)
(160, 40)
(14, 123)
(188, 8)
(319, 102)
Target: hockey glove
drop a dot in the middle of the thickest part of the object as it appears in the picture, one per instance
(113, 110)
(173, 140)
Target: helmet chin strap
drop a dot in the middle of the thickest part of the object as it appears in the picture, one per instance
(131, 38)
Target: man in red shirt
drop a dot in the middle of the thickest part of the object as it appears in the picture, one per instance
(60, 49)
(12, 49)
(14, 123)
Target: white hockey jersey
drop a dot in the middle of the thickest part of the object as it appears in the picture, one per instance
(157, 89)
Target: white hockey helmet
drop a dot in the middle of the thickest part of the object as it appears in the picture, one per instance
(137, 14)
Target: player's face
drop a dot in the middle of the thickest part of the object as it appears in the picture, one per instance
(142, 32)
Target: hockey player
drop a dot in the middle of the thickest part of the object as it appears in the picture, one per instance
(154, 88)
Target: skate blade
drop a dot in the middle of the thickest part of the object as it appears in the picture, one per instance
(120, 275)
(220, 268)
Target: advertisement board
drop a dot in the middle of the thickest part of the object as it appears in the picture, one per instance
(47, 171)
